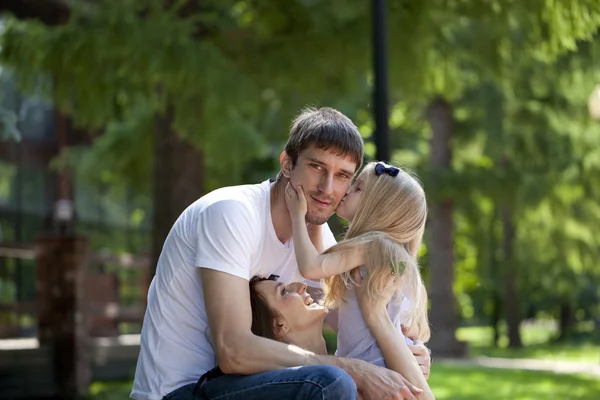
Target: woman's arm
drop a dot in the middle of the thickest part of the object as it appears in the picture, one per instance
(396, 353)
(311, 263)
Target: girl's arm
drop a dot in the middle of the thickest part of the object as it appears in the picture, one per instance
(396, 353)
(315, 233)
(311, 263)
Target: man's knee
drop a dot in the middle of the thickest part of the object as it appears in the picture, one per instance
(335, 383)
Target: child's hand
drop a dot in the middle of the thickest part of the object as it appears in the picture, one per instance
(295, 201)
(420, 351)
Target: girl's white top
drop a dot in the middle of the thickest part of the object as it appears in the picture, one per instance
(354, 338)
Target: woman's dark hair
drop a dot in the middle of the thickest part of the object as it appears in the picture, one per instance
(263, 316)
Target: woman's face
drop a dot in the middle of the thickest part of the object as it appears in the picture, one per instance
(349, 204)
(293, 303)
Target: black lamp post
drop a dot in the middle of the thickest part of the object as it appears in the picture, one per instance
(380, 93)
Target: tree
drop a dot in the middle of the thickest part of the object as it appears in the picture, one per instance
(532, 131)
(219, 82)
(469, 43)
(134, 65)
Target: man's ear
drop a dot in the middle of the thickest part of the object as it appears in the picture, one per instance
(286, 164)
(280, 327)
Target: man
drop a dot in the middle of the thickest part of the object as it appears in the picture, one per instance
(198, 313)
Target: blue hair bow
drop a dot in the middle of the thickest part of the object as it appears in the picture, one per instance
(381, 169)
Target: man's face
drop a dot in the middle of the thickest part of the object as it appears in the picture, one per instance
(325, 177)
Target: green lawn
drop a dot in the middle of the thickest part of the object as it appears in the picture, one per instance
(538, 344)
(471, 383)
(110, 390)
(450, 382)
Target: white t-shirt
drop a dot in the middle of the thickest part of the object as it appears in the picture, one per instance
(229, 230)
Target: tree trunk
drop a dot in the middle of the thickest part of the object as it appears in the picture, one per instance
(494, 274)
(178, 179)
(443, 315)
(496, 312)
(565, 320)
(513, 317)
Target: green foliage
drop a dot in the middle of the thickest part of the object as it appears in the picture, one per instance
(234, 72)
(522, 138)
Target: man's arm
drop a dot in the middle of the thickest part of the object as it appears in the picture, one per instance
(230, 318)
(227, 300)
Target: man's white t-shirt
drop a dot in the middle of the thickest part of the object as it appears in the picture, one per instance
(229, 230)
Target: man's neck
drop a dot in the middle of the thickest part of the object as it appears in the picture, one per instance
(280, 216)
(311, 340)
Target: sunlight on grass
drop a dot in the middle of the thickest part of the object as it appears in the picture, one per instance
(537, 341)
(451, 382)
(530, 334)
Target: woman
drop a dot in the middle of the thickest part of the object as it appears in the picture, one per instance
(287, 313)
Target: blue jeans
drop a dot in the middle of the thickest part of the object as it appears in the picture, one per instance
(322, 382)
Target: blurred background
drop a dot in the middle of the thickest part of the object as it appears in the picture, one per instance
(116, 115)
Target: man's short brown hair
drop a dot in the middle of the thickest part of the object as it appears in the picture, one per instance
(325, 128)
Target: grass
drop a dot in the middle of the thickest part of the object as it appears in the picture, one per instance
(538, 343)
(451, 382)
(101, 390)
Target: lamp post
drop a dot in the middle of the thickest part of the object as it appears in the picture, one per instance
(61, 265)
(63, 216)
(380, 93)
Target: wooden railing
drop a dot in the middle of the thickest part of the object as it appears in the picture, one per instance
(104, 309)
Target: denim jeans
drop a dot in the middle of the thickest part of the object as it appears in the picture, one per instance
(322, 382)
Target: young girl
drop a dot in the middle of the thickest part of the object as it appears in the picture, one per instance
(387, 209)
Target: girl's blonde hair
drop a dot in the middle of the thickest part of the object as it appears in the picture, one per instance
(389, 223)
